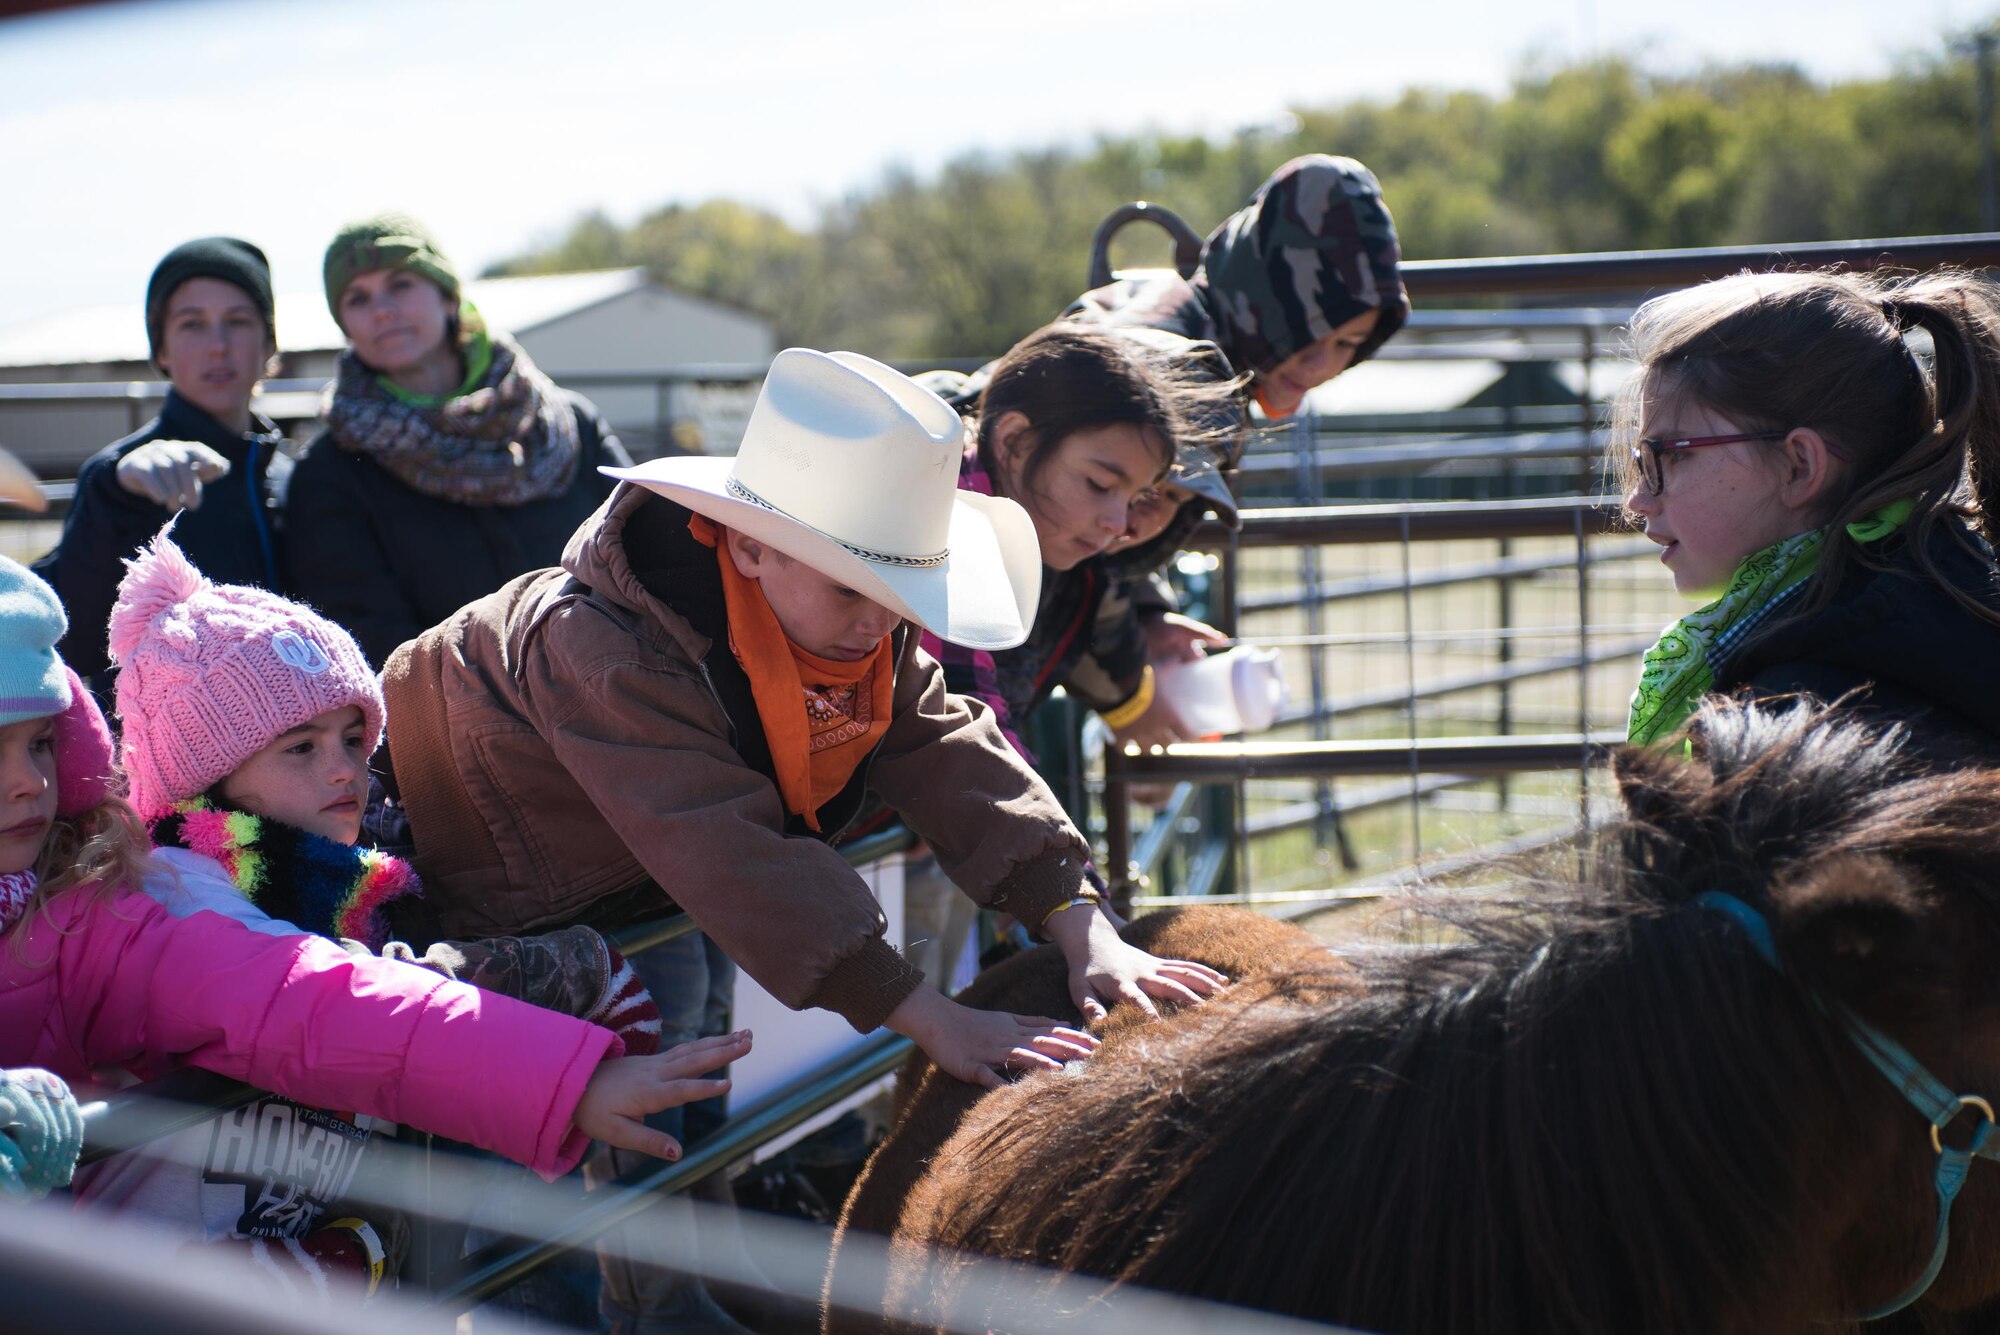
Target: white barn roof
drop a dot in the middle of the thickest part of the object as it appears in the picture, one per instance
(96, 334)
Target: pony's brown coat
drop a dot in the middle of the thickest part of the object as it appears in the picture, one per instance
(1600, 1111)
(930, 1105)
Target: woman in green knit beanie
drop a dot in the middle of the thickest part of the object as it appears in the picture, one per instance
(449, 464)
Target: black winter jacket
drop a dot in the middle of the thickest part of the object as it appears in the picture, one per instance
(232, 537)
(389, 562)
(1919, 657)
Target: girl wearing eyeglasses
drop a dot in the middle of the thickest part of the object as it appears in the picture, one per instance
(1823, 490)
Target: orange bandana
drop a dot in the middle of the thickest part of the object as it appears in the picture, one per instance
(821, 717)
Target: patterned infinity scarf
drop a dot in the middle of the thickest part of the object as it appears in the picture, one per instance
(510, 441)
(17, 891)
(324, 886)
(1691, 655)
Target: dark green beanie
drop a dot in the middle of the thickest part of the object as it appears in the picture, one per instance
(222, 257)
(386, 241)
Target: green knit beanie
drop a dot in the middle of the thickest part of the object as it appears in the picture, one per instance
(224, 257)
(385, 241)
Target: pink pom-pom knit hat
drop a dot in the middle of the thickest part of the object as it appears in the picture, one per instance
(210, 674)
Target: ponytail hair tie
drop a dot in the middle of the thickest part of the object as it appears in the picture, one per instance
(1901, 320)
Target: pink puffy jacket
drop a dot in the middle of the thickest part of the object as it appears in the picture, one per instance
(118, 982)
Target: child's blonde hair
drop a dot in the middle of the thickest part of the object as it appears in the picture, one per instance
(101, 851)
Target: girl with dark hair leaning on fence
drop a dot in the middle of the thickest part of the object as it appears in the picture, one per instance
(1829, 492)
(1075, 425)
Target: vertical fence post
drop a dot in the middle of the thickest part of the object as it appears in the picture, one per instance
(1587, 471)
(1509, 490)
(1410, 680)
(1117, 830)
(1312, 491)
(1224, 807)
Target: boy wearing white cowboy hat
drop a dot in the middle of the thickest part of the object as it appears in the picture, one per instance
(699, 700)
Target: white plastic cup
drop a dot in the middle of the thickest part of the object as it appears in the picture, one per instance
(1241, 690)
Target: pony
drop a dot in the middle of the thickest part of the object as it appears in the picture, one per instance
(1596, 1107)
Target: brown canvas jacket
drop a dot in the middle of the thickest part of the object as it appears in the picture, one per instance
(561, 740)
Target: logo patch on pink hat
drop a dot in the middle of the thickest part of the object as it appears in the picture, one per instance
(295, 650)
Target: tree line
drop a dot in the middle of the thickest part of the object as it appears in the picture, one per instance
(1603, 155)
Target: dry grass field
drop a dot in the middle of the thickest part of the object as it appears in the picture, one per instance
(1371, 651)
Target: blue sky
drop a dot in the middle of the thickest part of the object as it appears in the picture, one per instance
(128, 128)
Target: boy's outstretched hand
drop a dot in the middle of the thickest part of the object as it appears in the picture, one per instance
(1105, 970)
(623, 1090)
(977, 1046)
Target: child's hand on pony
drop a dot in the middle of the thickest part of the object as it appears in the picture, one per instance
(623, 1090)
(977, 1046)
(1104, 970)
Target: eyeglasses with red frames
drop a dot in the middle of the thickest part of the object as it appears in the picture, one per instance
(1648, 453)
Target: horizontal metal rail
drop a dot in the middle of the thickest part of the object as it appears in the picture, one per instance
(1605, 271)
(191, 1096)
(1339, 462)
(1427, 319)
(1376, 797)
(494, 1268)
(1428, 521)
(1426, 422)
(1233, 762)
(157, 1109)
(1226, 762)
(1291, 903)
(1444, 577)
(1156, 839)
(1389, 697)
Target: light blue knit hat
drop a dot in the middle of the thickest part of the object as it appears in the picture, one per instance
(33, 681)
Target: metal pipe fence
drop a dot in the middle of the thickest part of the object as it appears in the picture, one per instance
(1653, 269)
(149, 1112)
(1465, 675)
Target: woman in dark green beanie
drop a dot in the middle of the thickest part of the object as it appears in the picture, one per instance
(449, 463)
(207, 456)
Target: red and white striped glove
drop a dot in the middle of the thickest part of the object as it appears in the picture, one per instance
(626, 1007)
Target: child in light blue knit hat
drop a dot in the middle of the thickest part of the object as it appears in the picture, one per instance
(41, 1127)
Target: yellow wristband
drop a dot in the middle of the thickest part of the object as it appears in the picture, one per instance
(375, 1255)
(1135, 706)
(1067, 904)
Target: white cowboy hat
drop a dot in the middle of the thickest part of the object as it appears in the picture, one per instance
(852, 468)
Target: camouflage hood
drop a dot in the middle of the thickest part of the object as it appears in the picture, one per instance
(1314, 248)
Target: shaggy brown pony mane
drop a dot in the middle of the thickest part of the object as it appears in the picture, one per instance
(1503, 1133)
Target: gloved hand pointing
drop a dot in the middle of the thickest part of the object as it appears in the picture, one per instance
(171, 473)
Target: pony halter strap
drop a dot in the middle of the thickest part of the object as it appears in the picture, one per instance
(1926, 1093)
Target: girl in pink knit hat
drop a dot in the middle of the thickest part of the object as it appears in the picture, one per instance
(248, 722)
(94, 975)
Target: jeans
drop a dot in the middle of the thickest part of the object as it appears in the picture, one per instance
(693, 983)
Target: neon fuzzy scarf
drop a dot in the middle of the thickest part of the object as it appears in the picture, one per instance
(319, 884)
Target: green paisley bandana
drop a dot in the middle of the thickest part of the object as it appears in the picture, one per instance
(1683, 665)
